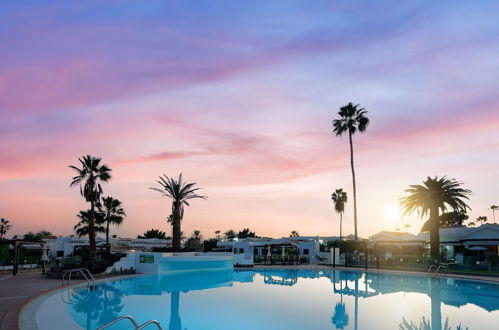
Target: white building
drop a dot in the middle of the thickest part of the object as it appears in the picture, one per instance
(60, 247)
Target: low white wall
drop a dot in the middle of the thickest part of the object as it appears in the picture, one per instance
(158, 262)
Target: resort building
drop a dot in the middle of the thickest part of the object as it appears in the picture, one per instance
(60, 247)
(457, 243)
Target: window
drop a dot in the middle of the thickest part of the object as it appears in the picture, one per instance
(60, 254)
(305, 252)
(241, 250)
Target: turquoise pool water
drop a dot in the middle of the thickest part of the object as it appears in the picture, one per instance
(286, 299)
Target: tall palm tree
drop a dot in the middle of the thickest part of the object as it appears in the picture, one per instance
(494, 208)
(352, 119)
(89, 177)
(340, 198)
(113, 214)
(434, 196)
(179, 192)
(4, 227)
(82, 228)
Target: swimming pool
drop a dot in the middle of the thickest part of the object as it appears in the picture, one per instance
(277, 299)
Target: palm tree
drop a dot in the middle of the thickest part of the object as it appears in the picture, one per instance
(339, 197)
(494, 208)
(294, 233)
(4, 227)
(82, 228)
(154, 233)
(482, 219)
(434, 196)
(352, 119)
(180, 192)
(114, 214)
(89, 177)
(196, 235)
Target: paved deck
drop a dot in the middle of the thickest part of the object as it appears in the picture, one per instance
(16, 291)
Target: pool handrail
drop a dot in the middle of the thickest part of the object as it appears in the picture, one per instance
(90, 279)
(142, 326)
(431, 267)
(131, 319)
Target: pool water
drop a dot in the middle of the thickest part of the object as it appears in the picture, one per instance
(284, 299)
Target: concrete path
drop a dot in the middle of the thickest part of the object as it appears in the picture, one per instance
(15, 291)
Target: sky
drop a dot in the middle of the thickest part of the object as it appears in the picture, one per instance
(239, 97)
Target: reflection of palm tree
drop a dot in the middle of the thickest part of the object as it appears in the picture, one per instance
(436, 299)
(102, 304)
(340, 317)
(175, 323)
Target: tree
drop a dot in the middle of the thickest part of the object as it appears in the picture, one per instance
(434, 196)
(245, 233)
(153, 233)
(407, 226)
(196, 235)
(448, 219)
(89, 178)
(180, 193)
(217, 235)
(294, 233)
(352, 119)
(4, 227)
(230, 235)
(36, 237)
(82, 228)
(482, 219)
(113, 214)
(471, 224)
(339, 198)
(494, 208)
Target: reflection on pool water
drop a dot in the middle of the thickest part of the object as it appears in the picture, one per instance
(286, 299)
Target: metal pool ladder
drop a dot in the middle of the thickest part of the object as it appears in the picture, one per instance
(83, 271)
(437, 268)
(132, 320)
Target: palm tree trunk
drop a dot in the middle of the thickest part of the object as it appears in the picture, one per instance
(175, 323)
(436, 313)
(354, 186)
(435, 235)
(176, 226)
(108, 247)
(91, 229)
(341, 225)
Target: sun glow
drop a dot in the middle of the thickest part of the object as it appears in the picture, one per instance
(393, 213)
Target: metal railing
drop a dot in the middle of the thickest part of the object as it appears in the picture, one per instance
(132, 320)
(83, 271)
(431, 267)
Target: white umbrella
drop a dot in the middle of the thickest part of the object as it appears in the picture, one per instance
(44, 256)
(269, 253)
(283, 251)
(478, 248)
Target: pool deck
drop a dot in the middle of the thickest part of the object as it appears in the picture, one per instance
(17, 291)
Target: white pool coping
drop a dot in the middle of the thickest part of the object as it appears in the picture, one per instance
(33, 313)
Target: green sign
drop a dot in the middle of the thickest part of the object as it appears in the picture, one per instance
(146, 259)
